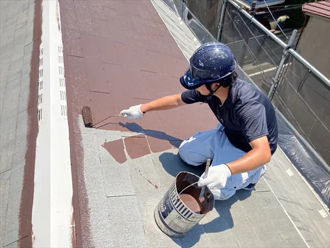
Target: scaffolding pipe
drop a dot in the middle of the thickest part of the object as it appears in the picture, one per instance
(279, 70)
(222, 17)
(281, 43)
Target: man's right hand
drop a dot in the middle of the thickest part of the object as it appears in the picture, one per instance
(133, 112)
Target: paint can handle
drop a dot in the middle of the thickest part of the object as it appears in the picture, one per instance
(187, 187)
(206, 172)
(207, 167)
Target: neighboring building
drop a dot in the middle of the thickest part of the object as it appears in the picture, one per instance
(314, 41)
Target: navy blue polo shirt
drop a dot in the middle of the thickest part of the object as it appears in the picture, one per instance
(247, 114)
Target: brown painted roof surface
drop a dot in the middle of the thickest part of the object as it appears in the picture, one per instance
(318, 8)
(118, 54)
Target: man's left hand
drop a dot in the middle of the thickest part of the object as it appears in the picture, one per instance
(217, 177)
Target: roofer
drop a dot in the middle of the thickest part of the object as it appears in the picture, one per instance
(246, 136)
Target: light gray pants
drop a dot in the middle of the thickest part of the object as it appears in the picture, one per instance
(215, 145)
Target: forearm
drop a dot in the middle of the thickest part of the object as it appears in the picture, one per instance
(167, 102)
(250, 161)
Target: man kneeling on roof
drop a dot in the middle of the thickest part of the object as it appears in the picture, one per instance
(246, 136)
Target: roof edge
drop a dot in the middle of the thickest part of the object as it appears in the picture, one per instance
(317, 9)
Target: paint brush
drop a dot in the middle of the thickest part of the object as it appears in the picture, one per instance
(88, 119)
(207, 167)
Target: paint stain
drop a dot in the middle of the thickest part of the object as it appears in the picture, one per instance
(116, 150)
(137, 146)
(158, 145)
(155, 185)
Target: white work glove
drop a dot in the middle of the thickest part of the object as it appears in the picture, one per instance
(133, 112)
(216, 178)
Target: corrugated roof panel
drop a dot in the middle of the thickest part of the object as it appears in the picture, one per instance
(318, 8)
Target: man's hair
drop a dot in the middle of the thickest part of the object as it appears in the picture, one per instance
(229, 80)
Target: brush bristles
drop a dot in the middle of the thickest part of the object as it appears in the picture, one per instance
(87, 116)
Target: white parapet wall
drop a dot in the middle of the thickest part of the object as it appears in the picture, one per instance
(52, 202)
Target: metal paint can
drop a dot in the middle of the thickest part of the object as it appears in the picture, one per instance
(172, 215)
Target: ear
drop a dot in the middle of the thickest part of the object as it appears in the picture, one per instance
(217, 85)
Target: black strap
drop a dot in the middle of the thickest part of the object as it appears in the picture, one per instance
(209, 96)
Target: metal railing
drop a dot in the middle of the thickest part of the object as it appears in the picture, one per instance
(287, 47)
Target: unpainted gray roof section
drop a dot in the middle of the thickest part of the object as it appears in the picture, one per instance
(122, 202)
(16, 28)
